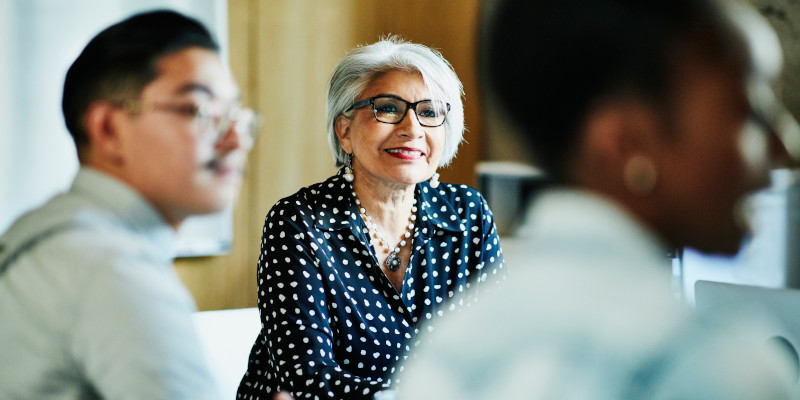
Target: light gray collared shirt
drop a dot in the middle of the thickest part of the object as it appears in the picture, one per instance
(588, 313)
(90, 305)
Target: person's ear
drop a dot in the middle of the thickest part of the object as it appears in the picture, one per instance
(342, 128)
(639, 148)
(617, 149)
(104, 136)
(604, 132)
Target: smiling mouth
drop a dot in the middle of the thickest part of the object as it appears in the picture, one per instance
(406, 152)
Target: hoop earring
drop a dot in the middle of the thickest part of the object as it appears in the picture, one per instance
(348, 168)
(640, 175)
(434, 180)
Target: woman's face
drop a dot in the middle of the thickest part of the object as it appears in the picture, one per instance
(400, 154)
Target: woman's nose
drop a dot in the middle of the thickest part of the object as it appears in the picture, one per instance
(410, 125)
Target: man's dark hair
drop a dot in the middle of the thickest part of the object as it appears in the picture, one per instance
(121, 60)
(549, 62)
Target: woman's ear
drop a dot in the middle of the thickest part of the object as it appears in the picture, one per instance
(104, 140)
(342, 128)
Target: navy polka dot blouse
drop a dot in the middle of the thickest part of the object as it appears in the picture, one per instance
(333, 325)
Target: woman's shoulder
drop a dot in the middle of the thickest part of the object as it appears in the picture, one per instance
(308, 197)
(452, 193)
(449, 202)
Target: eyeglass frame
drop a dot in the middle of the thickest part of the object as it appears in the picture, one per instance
(198, 112)
(409, 105)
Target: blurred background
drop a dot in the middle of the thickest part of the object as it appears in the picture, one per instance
(282, 53)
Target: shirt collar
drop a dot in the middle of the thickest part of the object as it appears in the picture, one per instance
(576, 213)
(437, 208)
(336, 202)
(126, 204)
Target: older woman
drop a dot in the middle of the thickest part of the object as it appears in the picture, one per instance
(350, 267)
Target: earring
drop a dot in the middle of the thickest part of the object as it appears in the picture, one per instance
(348, 168)
(640, 175)
(435, 180)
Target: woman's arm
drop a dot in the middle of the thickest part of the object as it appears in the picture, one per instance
(293, 303)
(493, 265)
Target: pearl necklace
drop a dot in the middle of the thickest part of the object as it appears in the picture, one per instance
(393, 260)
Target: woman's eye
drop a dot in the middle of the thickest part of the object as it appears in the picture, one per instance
(386, 108)
(428, 112)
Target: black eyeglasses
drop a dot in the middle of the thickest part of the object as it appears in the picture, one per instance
(392, 110)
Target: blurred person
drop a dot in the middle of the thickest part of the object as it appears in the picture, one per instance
(350, 267)
(90, 304)
(645, 117)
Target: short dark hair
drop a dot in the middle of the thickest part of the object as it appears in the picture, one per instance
(549, 61)
(121, 60)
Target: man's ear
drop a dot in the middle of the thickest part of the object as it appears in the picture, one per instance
(342, 128)
(105, 142)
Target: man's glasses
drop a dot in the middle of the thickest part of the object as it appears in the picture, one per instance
(392, 110)
(208, 119)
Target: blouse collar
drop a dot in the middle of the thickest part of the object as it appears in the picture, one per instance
(335, 201)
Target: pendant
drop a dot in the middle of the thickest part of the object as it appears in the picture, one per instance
(393, 262)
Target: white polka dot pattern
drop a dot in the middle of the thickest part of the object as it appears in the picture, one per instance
(333, 325)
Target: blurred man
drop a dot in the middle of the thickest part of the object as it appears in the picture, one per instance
(89, 302)
(647, 119)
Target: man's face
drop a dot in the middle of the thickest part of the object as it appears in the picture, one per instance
(713, 157)
(177, 162)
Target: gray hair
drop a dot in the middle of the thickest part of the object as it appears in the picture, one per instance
(362, 65)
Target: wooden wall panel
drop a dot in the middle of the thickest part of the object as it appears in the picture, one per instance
(228, 281)
(282, 53)
(452, 28)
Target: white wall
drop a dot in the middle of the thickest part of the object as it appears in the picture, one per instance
(39, 39)
(770, 257)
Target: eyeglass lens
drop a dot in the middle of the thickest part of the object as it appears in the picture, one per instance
(391, 110)
(243, 119)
